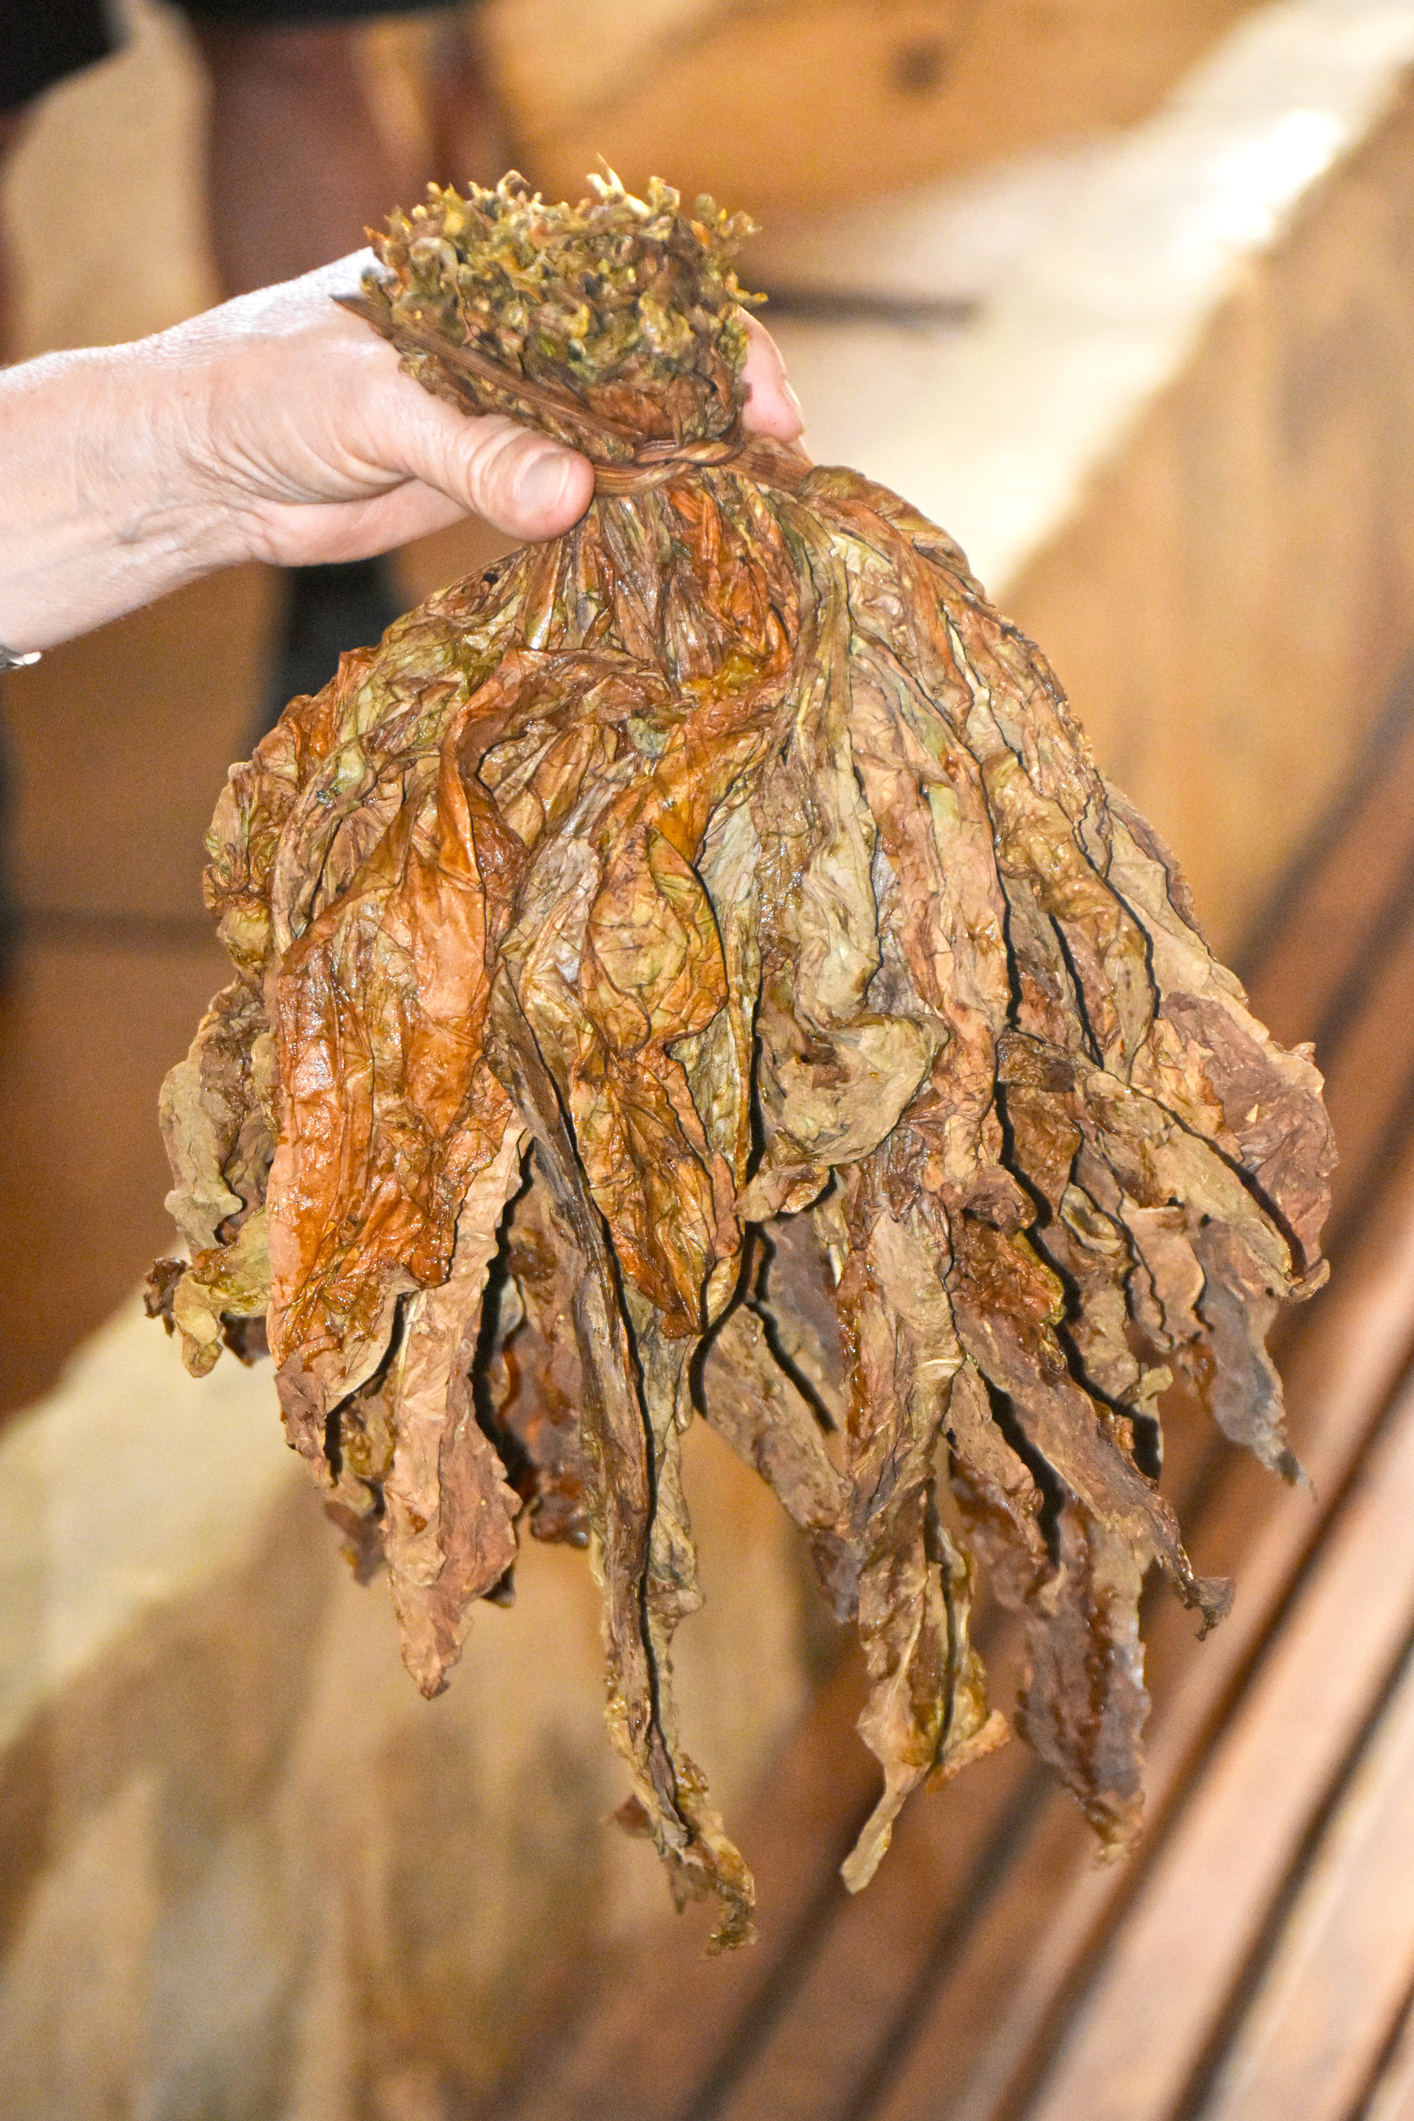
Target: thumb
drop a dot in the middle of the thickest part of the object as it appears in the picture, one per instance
(521, 482)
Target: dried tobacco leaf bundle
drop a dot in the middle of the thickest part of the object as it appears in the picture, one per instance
(697, 968)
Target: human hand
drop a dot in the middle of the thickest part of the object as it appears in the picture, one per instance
(306, 430)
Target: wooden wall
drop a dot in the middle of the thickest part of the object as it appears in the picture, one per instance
(779, 104)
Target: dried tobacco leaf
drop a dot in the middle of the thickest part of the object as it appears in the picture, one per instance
(697, 968)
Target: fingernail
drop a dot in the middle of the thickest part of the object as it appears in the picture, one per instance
(541, 486)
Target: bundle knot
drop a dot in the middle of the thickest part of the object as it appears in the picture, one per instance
(658, 463)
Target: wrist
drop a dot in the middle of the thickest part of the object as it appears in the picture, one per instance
(103, 511)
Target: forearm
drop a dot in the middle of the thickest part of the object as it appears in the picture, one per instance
(95, 514)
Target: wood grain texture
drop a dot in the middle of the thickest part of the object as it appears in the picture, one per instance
(1337, 1980)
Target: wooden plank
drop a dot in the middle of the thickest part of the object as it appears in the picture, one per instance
(1339, 1977)
(1391, 2097)
(796, 103)
(1142, 2028)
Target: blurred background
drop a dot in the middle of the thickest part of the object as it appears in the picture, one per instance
(1122, 293)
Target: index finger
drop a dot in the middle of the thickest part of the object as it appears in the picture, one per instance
(772, 407)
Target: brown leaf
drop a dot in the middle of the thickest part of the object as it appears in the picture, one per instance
(697, 966)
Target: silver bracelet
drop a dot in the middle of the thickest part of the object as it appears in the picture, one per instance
(10, 661)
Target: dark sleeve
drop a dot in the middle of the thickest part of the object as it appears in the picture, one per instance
(40, 45)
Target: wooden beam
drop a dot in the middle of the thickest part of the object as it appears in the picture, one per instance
(791, 103)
